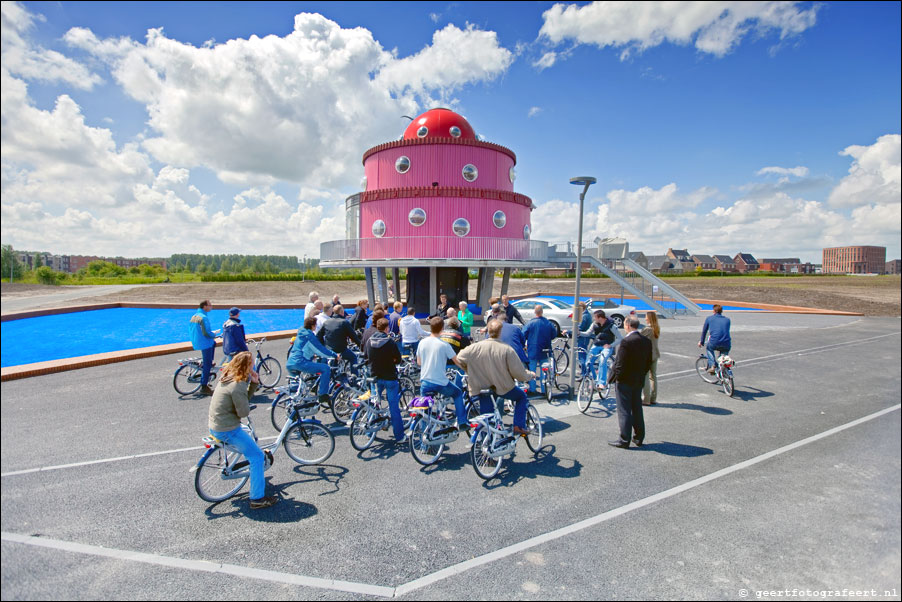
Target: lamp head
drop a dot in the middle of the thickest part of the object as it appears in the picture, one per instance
(585, 182)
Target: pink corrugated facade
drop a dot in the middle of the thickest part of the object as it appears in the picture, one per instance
(441, 163)
(440, 214)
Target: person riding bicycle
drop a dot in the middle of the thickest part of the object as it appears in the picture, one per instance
(582, 341)
(233, 337)
(493, 364)
(229, 405)
(358, 321)
(383, 357)
(606, 337)
(458, 341)
(301, 358)
(203, 338)
(335, 333)
(538, 333)
(433, 354)
(717, 326)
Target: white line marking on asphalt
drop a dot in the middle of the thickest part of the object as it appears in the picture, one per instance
(563, 414)
(203, 566)
(532, 542)
(432, 578)
(685, 357)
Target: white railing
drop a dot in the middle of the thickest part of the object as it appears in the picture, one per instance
(436, 247)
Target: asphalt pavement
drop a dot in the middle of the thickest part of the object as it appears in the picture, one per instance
(790, 489)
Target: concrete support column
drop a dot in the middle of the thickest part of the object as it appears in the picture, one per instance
(396, 282)
(381, 285)
(505, 281)
(433, 288)
(484, 291)
(370, 293)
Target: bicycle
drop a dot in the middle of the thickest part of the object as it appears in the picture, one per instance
(221, 471)
(267, 368)
(587, 389)
(561, 351)
(187, 377)
(493, 440)
(186, 380)
(723, 371)
(434, 425)
(370, 417)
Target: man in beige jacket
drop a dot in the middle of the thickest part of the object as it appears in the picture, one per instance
(493, 364)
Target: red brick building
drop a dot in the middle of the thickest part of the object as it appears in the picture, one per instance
(855, 260)
(894, 266)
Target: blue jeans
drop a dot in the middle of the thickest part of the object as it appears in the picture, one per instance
(313, 368)
(582, 344)
(533, 366)
(393, 394)
(207, 365)
(516, 395)
(712, 359)
(243, 442)
(410, 349)
(451, 390)
(601, 354)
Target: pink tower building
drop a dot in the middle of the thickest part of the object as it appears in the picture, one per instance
(437, 202)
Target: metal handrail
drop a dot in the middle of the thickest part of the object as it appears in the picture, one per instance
(434, 247)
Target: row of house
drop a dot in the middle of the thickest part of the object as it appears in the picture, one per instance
(73, 263)
(681, 261)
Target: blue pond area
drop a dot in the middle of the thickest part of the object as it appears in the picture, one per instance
(643, 306)
(102, 330)
(75, 334)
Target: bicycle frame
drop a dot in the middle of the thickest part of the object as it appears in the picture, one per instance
(439, 429)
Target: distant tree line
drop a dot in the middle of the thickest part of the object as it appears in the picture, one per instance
(238, 264)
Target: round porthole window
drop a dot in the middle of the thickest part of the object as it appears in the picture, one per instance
(461, 227)
(416, 217)
(378, 228)
(470, 172)
(499, 219)
(512, 174)
(402, 165)
(422, 132)
(526, 232)
(454, 131)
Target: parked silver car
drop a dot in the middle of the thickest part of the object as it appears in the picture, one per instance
(560, 313)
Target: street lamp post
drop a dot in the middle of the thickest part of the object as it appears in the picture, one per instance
(585, 182)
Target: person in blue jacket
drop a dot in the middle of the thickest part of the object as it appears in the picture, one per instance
(203, 338)
(539, 333)
(300, 358)
(582, 341)
(513, 336)
(718, 326)
(233, 337)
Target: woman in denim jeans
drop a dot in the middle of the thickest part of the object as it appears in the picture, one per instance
(229, 405)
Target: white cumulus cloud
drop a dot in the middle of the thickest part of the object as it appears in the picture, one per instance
(712, 27)
(875, 174)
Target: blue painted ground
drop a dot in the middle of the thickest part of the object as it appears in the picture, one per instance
(643, 306)
(87, 332)
(75, 334)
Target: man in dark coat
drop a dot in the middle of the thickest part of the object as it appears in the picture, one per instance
(631, 364)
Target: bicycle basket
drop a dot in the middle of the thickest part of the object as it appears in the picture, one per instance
(726, 361)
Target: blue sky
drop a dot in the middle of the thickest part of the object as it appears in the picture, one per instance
(771, 128)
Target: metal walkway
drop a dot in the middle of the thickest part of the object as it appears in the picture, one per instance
(635, 279)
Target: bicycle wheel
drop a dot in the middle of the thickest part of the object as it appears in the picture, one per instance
(550, 381)
(701, 366)
(484, 465)
(408, 392)
(309, 443)
(534, 426)
(472, 406)
(584, 393)
(209, 482)
(341, 405)
(270, 372)
(361, 432)
(727, 383)
(186, 379)
(278, 413)
(561, 359)
(422, 451)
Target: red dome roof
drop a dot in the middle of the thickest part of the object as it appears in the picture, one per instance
(438, 123)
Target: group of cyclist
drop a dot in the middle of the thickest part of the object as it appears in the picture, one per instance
(508, 354)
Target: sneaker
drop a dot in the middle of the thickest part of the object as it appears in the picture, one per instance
(206, 390)
(402, 440)
(365, 396)
(711, 371)
(264, 502)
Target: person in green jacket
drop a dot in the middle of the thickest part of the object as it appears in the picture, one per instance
(466, 318)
